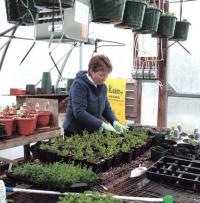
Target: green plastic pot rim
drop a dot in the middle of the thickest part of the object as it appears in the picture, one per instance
(186, 22)
(167, 16)
(153, 8)
(137, 1)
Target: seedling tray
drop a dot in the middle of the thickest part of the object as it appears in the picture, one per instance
(176, 171)
(76, 187)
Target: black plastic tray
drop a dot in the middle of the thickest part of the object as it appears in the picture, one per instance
(77, 187)
(102, 166)
(184, 173)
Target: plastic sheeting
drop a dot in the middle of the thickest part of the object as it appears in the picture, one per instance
(149, 106)
(183, 69)
(185, 111)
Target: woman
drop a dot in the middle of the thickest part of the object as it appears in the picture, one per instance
(88, 102)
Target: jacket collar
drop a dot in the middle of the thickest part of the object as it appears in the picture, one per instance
(91, 80)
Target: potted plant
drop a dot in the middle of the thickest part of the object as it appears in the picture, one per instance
(181, 30)
(8, 122)
(18, 12)
(26, 124)
(190, 144)
(151, 20)
(166, 25)
(43, 118)
(133, 14)
(107, 11)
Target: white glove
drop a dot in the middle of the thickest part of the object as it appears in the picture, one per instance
(119, 127)
(108, 127)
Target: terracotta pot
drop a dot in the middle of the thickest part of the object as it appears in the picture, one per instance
(36, 116)
(43, 118)
(26, 126)
(9, 125)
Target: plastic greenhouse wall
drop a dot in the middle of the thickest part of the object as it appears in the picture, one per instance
(183, 71)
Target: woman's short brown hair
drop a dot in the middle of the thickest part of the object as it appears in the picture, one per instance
(100, 63)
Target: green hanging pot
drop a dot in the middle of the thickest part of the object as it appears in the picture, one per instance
(166, 26)
(17, 12)
(49, 3)
(151, 20)
(107, 11)
(133, 14)
(181, 31)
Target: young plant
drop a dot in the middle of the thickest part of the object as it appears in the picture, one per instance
(56, 174)
(88, 197)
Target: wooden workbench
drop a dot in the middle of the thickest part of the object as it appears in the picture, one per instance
(19, 140)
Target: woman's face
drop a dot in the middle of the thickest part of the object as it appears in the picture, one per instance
(99, 77)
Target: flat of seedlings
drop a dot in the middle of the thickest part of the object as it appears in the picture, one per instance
(117, 181)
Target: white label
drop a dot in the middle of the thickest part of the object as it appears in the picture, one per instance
(57, 28)
(81, 13)
(2, 192)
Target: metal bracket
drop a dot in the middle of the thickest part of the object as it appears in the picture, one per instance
(180, 45)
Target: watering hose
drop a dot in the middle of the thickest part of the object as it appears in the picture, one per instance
(165, 199)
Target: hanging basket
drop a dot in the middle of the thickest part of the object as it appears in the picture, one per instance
(166, 26)
(151, 20)
(181, 31)
(133, 14)
(17, 12)
(49, 3)
(107, 11)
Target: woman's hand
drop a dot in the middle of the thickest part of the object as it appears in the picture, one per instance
(109, 127)
(119, 127)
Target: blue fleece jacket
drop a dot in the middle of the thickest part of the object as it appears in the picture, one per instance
(87, 105)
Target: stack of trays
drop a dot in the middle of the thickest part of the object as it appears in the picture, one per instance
(179, 172)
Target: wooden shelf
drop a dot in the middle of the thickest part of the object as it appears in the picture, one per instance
(42, 95)
(20, 140)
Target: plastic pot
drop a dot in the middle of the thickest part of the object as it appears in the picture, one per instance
(181, 31)
(166, 26)
(107, 11)
(133, 14)
(43, 118)
(46, 82)
(26, 126)
(30, 89)
(8, 125)
(157, 152)
(151, 20)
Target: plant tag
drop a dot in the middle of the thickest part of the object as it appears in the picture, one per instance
(10, 167)
(138, 171)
